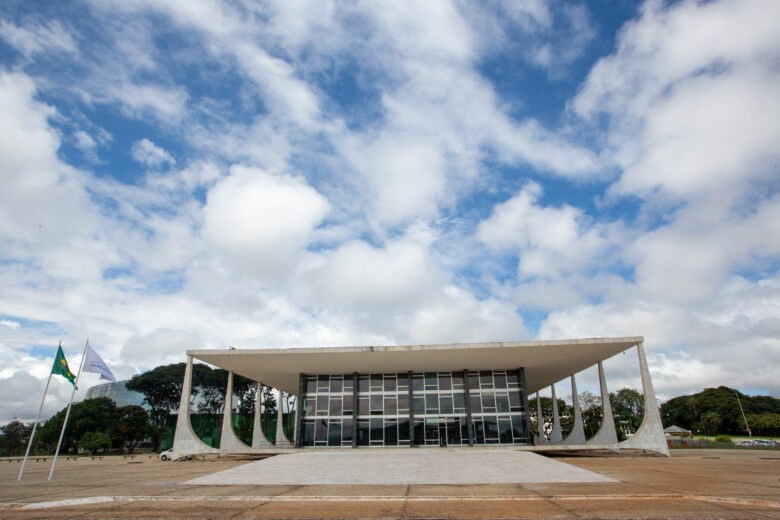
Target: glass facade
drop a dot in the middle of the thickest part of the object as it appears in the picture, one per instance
(405, 409)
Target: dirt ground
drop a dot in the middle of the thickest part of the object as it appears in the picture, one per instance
(691, 484)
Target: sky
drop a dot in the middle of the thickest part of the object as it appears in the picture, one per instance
(204, 174)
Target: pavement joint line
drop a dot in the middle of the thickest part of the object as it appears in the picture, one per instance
(381, 498)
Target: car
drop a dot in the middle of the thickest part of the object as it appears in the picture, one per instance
(166, 455)
(743, 443)
(765, 442)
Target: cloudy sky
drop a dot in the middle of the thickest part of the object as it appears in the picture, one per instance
(199, 174)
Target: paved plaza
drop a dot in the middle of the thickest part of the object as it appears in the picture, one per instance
(445, 466)
(729, 484)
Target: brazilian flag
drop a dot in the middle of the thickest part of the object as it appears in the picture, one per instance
(61, 367)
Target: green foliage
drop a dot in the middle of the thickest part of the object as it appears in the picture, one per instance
(123, 427)
(94, 441)
(628, 409)
(716, 410)
(13, 440)
(722, 438)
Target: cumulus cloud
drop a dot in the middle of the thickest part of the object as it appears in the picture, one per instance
(260, 220)
(149, 154)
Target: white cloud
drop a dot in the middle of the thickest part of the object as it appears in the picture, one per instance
(34, 39)
(11, 324)
(149, 154)
(262, 221)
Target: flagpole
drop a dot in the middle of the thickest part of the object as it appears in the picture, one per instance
(35, 426)
(65, 422)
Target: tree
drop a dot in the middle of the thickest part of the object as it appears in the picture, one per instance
(131, 427)
(13, 440)
(94, 441)
(592, 415)
(628, 409)
(89, 415)
(713, 419)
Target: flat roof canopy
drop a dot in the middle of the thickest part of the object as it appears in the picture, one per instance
(546, 362)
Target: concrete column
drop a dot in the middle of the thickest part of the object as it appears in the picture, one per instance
(577, 434)
(650, 435)
(185, 441)
(259, 440)
(555, 436)
(281, 439)
(540, 420)
(229, 441)
(606, 436)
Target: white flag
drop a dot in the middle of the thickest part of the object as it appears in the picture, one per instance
(94, 363)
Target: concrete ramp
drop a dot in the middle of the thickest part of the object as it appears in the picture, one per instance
(388, 466)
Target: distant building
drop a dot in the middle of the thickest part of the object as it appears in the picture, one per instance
(118, 392)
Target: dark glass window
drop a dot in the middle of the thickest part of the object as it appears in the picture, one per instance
(419, 405)
(403, 381)
(431, 403)
(335, 385)
(432, 431)
(514, 399)
(391, 406)
(445, 382)
(505, 430)
(445, 405)
(335, 406)
(311, 385)
(502, 403)
(453, 430)
(363, 384)
(376, 429)
(376, 404)
(431, 381)
(476, 403)
(491, 427)
(486, 379)
(403, 403)
(479, 431)
(518, 427)
(309, 406)
(488, 401)
(500, 380)
(473, 381)
(348, 404)
(322, 405)
(348, 382)
(363, 405)
(418, 383)
(513, 380)
(459, 401)
(308, 433)
(323, 383)
(389, 382)
(321, 433)
(391, 433)
(362, 432)
(457, 380)
(346, 432)
(334, 433)
(403, 429)
(419, 432)
(376, 382)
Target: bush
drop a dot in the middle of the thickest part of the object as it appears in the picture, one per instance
(722, 438)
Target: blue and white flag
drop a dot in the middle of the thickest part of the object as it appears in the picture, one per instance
(94, 363)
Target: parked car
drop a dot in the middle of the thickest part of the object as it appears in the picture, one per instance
(743, 443)
(765, 442)
(166, 455)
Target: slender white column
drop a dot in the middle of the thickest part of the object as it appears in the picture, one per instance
(555, 435)
(540, 420)
(577, 433)
(185, 442)
(650, 435)
(229, 441)
(259, 440)
(281, 439)
(606, 436)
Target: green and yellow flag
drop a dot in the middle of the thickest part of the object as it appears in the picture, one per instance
(61, 367)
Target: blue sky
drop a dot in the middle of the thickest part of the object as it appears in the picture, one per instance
(201, 174)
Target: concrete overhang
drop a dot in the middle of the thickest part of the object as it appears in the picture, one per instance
(546, 362)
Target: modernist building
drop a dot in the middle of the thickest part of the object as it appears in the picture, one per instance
(471, 394)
